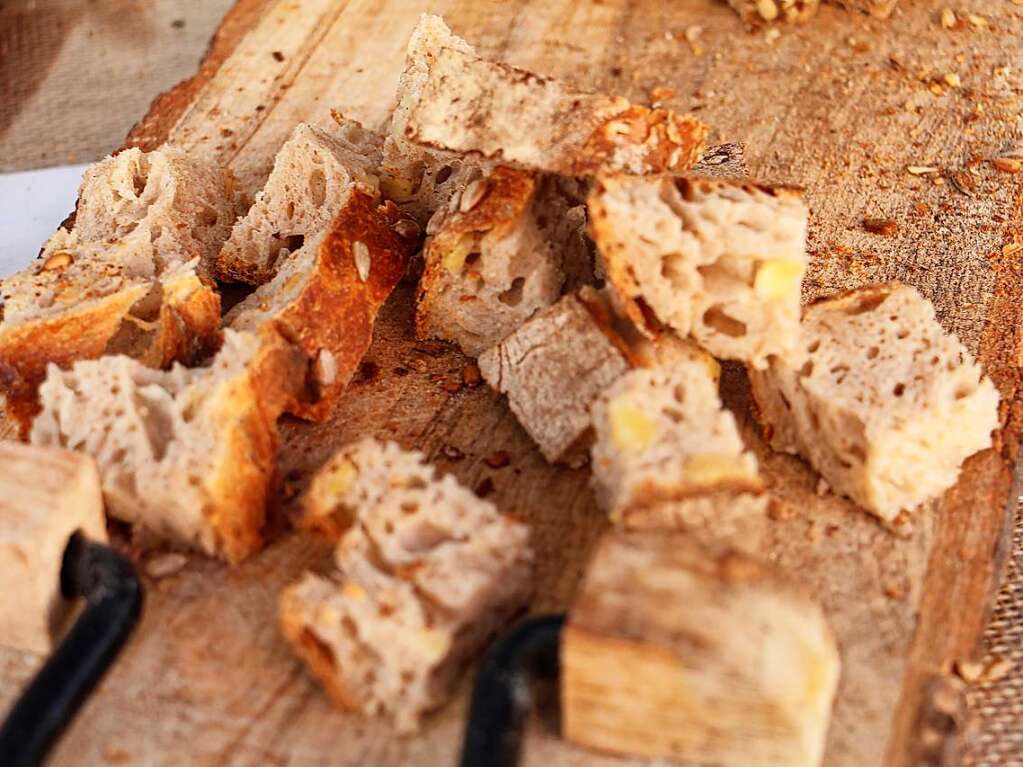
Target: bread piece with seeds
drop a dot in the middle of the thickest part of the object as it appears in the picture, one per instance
(498, 259)
(426, 573)
(314, 174)
(887, 405)
(667, 453)
(719, 260)
(130, 277)
(685, 649)
(325, 297)
(188, 453)
(757, 12)
(501, 114)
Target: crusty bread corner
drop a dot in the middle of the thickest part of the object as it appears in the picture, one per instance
(757, 12)
(325, 297)
(566, 342)
(188, 453)
(886, 406)
(720, 260)
(177, 318)
(502, 114)
(491, 265)
(313, 174)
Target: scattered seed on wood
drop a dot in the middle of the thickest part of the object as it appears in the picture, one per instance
(452, 453)
(882, 226)
(948, 18)
(1008, 164)
(498, 459)
(278, 56)
(922, 170)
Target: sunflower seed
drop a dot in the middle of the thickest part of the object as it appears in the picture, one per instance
(473, 193)
(407, 229)
(362, 260)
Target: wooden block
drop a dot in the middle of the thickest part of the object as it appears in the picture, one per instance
(46, 494)
(690, 650)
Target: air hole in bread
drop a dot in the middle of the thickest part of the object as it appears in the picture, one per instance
(902, 334)
(140, 176)
(208, 216)
(858, 454)
(872, 352)
(963, 392)
(409, 508)
(814, 346)
(866, 304)
(807, 370)
(513, 295)
(317, 187)
(716, 318)
(443, 174)
(289, 210)
(472, 259)
(673, 415)
(679, 393)
(290, 243)
(899, 389)
(669, 271)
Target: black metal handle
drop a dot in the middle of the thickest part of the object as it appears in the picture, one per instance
(502, 695)
(113, 595)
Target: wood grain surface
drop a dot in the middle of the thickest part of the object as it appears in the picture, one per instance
(844, 106)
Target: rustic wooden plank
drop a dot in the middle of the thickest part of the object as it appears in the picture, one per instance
(823, 106)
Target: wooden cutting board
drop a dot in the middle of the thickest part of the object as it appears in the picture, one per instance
(845, 107)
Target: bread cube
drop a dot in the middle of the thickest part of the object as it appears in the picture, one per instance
(497, 113)
(684, 649)
(667, 454)
(552, 369)
(887, 405)
(314, 174)
(46, 495)
(426, 573)
(496, 261)
(716, 259)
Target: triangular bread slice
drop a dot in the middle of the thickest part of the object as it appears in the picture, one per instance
(314, 173)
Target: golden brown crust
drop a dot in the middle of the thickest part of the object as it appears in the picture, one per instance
(317, 656)
(337, 308)
(186, 329)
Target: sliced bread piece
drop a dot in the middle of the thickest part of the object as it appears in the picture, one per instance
(419, 180)
(186, 453)
(887, 405)
(314, 173)
(684, 649)
(325, 297)
(497, 113)
(129, 277)
(716, 259)
(667, 452)
(552, 369)
(498, 259)
(427, 572)
(757, 12)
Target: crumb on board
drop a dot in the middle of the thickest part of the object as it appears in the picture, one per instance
(883, 226)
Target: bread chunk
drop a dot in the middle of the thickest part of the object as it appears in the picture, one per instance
(426, 573)
(887, 405)
(757, 12)
(314, 174)
(325, 297)
(668, 454)
(719, 260)
(46, 495)
(502, 114)
(552, 369)
(688, 650)
(130, 277)
(188, 452)
(500, 258)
